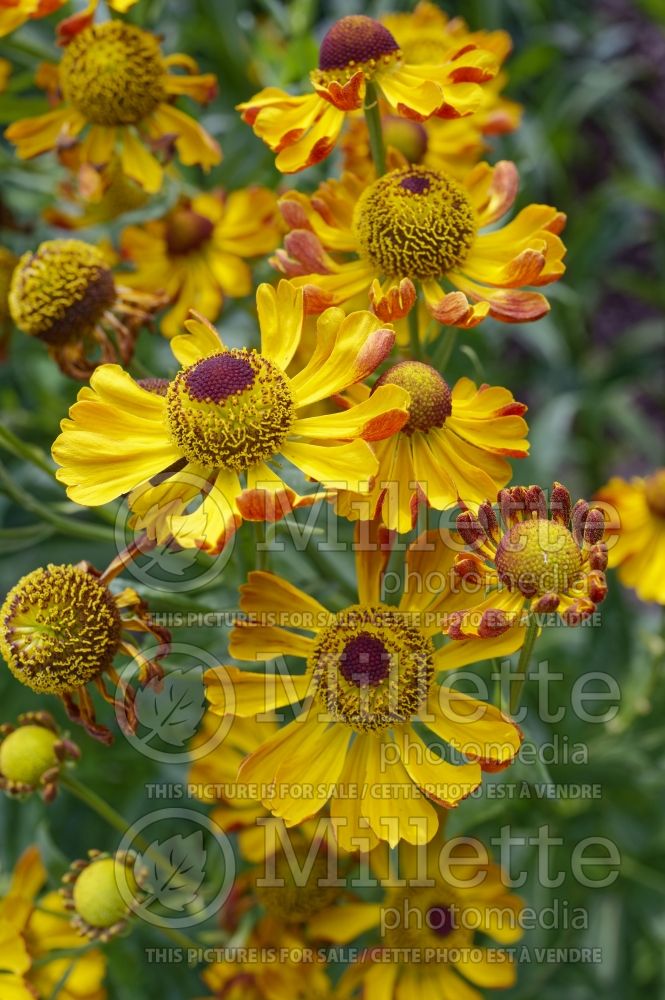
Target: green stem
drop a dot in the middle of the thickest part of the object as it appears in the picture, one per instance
(30, 452)
(95, 802)
(414, 332)
(445, 348)
(373, 119)
(69, 526)
(523, 664)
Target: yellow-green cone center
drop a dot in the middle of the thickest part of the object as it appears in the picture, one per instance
(59, 628)
(431, 401)
(414, 222)
(27, 753)
(230, 410)
(60, 293)
(97, 895)
(538, 557)
(113, 73)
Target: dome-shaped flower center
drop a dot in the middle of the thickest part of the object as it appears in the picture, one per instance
(405, 135)
(440, 919)
(59, 628)
(97, 896)
(186, 230)
(431, 401)
(60, 293)
(415, 223)
(538, 557)
(298, 888)
(372, 667)
(654, 491)
(27, 753)
(428, 917)
(356, 41)
(230, 410)
(113, 73)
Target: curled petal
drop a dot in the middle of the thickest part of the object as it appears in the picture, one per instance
(395, 303)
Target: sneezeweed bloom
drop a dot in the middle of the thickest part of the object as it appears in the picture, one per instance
(355, 52)
(61, 628)
(39, 950)
(32, 755)
(635, 513)
(450, 145)
(197, 253)
(99, 893)
(368, 692)
(231, 413)
(14, 13)
(452, 449)
(115, 90)
(66, 295)
(351, 241)
(263, 977)
(465, 895)
(546, 559)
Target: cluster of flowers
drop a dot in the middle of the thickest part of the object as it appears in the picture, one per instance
(343, 402)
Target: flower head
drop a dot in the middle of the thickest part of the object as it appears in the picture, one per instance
(546, 558)
(216, 430)
(32, 755)
(96, 893)
(198, 251)
(368, 694)
(65, 294)
(635, 514)
(355, 52)
(416, 224)
(40, 953)
(452, 449)
(61, 629)
(114, 84)
(441, 914)
(451, 145)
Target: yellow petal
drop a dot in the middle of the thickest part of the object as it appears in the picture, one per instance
(378, 417)
(342, 466)
(139, 164)
(265, 642)
(243, 693)
(266, 593)
(281, 315)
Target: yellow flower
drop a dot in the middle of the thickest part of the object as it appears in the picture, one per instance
(416, 224)
(195, 252)
(61, 629)
(231, 412)
(97, 195)
(115, 85)
(534, 564)
(355, 52)
(450, 145)
(636, 524)
(28, 936)
(362, 705)
(14, 13)
(65, 294)
(451, 450)
(291, 978)
(466, 893)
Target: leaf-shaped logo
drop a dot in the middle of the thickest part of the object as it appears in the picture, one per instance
(175, 869)
(171, 707)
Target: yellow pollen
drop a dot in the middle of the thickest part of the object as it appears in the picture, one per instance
(372, 667)
(60, 293)
(654, 490)
(113, 73)
(27, 753)
(230, 410)
(96, 894)
(431, 401)
(538, 557)
(59, 628)
(414, 222)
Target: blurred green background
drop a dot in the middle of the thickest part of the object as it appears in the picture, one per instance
(592, 80)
